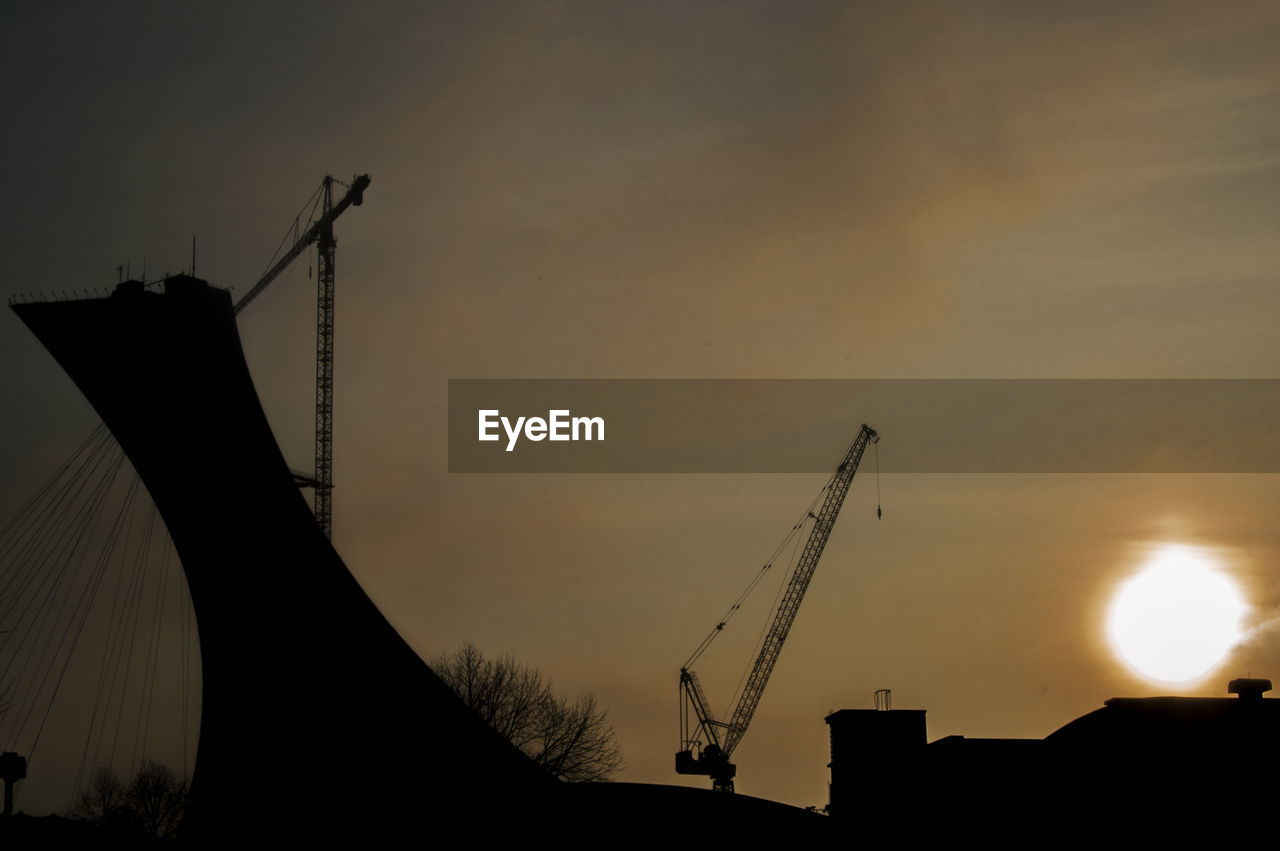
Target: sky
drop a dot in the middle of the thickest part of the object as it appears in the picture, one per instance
(694, 190)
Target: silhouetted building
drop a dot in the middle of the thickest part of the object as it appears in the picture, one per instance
(874, 755)
(1137, 767)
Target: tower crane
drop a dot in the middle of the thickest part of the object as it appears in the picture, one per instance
(715, 740)
(320, 233)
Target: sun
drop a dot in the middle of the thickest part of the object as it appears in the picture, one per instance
(1178, 618)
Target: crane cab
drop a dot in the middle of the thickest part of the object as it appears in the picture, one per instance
(711, 762)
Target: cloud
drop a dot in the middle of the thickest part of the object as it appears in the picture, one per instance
(743, 194)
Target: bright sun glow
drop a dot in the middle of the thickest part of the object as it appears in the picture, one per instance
(1178, 618)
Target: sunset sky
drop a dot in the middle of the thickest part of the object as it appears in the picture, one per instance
(694, 190)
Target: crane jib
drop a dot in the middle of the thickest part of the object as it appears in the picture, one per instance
(323, 226)
(715, 757)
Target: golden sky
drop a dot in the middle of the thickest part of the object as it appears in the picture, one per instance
(694, 190)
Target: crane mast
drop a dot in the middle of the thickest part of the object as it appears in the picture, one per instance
(722, 737)
(324, 364)
(319, 233)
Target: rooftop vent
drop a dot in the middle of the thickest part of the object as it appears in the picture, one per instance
(1249, 688)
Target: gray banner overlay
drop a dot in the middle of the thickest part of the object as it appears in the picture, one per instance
(926, 425)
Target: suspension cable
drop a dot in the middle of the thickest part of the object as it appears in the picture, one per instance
(791, 539)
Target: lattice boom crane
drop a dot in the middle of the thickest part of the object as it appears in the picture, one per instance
(320, 233)
(717, 739)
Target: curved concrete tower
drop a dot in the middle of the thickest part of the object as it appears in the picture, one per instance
(317, 718)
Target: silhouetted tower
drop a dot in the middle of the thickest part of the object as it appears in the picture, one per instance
(12, 769)
(320, 232)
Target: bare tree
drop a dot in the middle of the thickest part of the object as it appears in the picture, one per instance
(157, 799)
(104, 803)
(151, 805)
(576, 742)
(572, 740)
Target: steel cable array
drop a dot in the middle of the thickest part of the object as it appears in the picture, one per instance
(97, 636)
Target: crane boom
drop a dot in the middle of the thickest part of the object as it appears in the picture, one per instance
(714, 759)
(321, 232)
(324, 224)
